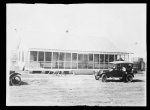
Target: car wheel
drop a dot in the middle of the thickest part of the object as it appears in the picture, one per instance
(129, 78)
(104, 78)
(15, 80)
(97, 77)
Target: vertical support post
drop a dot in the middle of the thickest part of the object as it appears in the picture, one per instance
(124, 57)
(108, 61)
(83, 61)
(71, 60)
(120, 56)
(93, 61)
(28, 61)
(99, 61)
(58, 59)
(114, 57)
(104, 62)
(63, 58)
(88, 62)
(44, 59)
(77, 60)
(65, 61)
(51, 59)
(108, 58)
(37, 59)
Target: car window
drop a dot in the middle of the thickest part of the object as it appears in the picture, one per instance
(125, 65)
(118, 66)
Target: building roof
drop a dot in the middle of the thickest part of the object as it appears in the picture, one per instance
(120, 62)
(72, 42)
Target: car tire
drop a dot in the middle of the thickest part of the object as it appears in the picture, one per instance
(129, 78)
(104, 78)
(15, 80)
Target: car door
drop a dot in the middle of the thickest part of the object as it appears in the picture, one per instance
(120, 71)
(117, 72)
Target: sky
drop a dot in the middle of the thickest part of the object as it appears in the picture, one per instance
(123, 25)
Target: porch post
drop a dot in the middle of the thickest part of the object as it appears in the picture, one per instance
(37, 58)
(28, 61)
(114, 57)
(77, 60)
(93, 61)
(104, 62)
(51, 60)
(71, 60)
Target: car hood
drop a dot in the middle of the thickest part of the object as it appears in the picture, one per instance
(104, 71)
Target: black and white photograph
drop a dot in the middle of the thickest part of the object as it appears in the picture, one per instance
(87, 54)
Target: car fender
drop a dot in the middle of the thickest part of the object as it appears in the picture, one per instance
(97, 73)
(102, 74)
(131, 74)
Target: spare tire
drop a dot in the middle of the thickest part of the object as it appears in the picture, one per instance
(15, 80)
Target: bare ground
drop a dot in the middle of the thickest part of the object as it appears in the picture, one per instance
(72, 90)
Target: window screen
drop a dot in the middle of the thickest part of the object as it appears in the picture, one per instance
(48, 56)
(33, 56)
(41, 56)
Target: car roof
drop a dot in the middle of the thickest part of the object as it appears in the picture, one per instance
(121, 62)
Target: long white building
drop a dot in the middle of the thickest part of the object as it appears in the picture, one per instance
(70, 56)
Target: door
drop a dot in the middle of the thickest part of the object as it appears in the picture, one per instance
(118, 71)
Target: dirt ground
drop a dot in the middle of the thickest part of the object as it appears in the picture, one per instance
(73, 90)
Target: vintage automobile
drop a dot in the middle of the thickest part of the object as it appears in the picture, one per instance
(14, 78)
(116, 72)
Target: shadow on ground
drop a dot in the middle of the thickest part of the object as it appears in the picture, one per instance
(138, 80)
(134, 80)
(23, 83)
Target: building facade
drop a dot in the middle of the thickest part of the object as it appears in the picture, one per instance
(35, 59)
